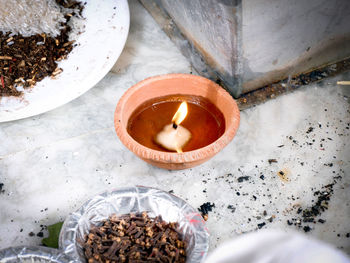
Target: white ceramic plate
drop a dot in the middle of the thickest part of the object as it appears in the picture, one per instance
(99, 46)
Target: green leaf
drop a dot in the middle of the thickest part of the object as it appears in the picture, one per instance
(54, 233)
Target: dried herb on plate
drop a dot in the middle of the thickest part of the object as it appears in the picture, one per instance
(134, 238)
(27, 60)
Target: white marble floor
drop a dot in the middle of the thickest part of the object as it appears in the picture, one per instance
(50, 164)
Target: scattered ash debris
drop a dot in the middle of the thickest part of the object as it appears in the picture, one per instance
(312, 153)
(243, 178)
(254, 187)
(2, 188)
(283, 175)
(310, 214)
(42, 228)
(306, 229)
(261, 225)
(40, 233)
(205, 208)
(272, 161)
(310, 130)
(266, 217)
(231, 208)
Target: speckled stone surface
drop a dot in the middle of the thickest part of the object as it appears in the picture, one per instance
(50, 164)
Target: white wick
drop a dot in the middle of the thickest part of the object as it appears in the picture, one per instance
(173, 139)
(173, 136)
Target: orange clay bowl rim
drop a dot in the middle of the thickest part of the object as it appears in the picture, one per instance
(174, 157)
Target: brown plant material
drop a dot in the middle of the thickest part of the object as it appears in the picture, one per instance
(134, 238)
(27, 60)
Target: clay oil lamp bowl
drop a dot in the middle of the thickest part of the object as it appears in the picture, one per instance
(178, 87)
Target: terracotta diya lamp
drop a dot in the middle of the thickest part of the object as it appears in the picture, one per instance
(176, 121)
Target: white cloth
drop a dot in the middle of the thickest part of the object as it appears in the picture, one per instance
(272, 246)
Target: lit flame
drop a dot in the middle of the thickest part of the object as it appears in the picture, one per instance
(181, 114)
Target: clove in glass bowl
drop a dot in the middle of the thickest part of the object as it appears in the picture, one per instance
(135, 201)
